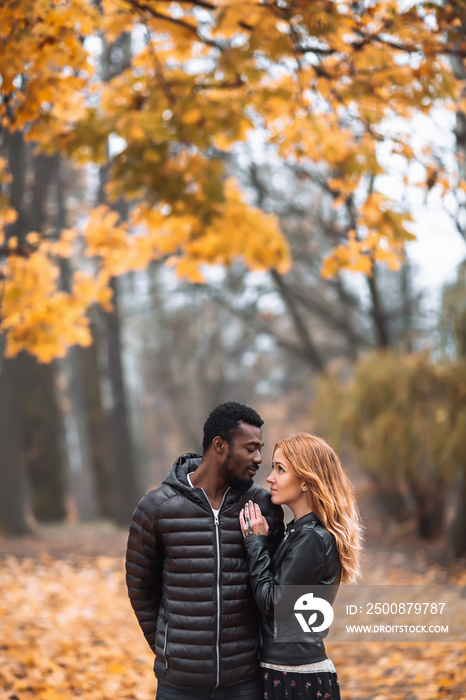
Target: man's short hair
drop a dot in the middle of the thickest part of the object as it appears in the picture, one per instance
(224, 422)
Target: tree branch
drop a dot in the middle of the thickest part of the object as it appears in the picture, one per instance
(309, 347)
(142, 7)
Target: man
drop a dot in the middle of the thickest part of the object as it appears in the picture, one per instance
(187, 575)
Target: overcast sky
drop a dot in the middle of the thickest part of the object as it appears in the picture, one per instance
(439, 247)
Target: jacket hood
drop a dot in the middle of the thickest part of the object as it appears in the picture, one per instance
(178, 476)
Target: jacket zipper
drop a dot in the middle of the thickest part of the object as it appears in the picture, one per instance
(217, 648)
(217, 549)
(285, 537)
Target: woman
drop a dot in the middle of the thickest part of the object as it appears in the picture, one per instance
(321, 547)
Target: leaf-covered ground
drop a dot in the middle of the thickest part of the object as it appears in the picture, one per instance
(67, 630)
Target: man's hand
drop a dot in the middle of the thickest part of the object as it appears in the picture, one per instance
(252, 521)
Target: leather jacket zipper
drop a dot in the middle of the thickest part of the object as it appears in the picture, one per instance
(285, 537)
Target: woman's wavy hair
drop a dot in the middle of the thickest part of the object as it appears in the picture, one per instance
(331, 494)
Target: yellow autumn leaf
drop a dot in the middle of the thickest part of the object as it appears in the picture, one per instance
(50, 694)
(187, 269)
(116, 668)
(192, 116)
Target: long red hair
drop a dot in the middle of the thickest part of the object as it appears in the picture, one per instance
(331, 495)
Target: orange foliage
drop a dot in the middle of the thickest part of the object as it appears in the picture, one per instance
(68, 631)
(321, 77)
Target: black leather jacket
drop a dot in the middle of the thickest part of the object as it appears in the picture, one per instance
(188, 581)
(307, 556)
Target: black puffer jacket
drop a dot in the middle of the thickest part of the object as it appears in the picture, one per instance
(307, 556)
(188, 581)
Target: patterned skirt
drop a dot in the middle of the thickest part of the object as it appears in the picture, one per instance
(291, 685)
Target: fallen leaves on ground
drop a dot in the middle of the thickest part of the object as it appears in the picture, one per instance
(400, 671)
(67, 631)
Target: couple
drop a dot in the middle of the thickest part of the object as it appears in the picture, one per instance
(206, 552)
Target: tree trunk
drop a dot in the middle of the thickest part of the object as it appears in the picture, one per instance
(382, 335)
(457, 534)
(392, 498)
(71, 385)
(407, 308)
(459, 69)
(43, 441)
(12, 480)
(126, 488)
(16, 153)
(309, 348)
(46, 170)
(115, 58)
(102, 468)
(80, 486)
(429, 494)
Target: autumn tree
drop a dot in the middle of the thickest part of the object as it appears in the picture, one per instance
(321, 78)
(37, 440)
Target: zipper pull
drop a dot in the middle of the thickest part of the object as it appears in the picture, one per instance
(216, 520)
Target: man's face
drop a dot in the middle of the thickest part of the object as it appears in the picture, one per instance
(244, 455)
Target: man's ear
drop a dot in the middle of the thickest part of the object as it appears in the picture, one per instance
(219, 445)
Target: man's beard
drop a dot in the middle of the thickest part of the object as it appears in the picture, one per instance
(232, 478)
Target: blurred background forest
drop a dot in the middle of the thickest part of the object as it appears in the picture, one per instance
(363, 354)
(204, 201)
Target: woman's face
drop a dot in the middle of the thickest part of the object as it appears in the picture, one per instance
(285, 487)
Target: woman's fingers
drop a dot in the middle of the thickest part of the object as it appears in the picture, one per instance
(250, 511)
(247, 522)
(252, 521)
(243, 521)
(247, 514)
(258, 517)
(253, 508)
(255, 518)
